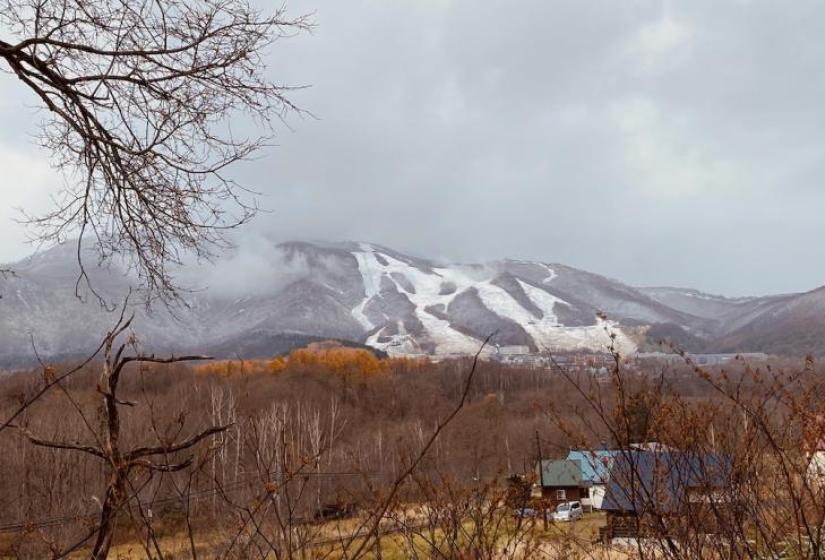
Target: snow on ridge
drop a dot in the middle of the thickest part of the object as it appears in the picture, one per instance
(371, 284)
(547, 332)
(426, 292)
(501, 303)
(552, 273)
(545, 301)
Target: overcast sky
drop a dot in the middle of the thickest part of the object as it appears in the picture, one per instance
(660, 143)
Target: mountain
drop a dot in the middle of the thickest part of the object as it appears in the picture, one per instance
(788, 324)
(699, 304)
(792, 325)
(721, 314)
(290, 293)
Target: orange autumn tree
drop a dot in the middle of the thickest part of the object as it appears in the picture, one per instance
(233, 367)
(336, 359)
(331, 357)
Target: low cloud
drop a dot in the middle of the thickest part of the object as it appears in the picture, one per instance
(255, 265)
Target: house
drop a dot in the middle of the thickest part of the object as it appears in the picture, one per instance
(595, 467)
(561, 481)
(649, 488)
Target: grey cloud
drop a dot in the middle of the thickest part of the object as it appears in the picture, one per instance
(252, 267)
(654, 142)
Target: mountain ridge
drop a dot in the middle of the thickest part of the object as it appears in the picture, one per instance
(400, 304)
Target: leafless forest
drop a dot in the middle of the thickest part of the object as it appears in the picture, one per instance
(331, 452)
(290, 443)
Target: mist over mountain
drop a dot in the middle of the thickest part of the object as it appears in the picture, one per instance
(275, 297)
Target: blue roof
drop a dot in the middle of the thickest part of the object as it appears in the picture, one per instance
(595, 465)
(659, 480)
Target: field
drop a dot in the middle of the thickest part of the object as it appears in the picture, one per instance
(398, 543)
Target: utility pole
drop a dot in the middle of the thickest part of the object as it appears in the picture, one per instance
(541, 480)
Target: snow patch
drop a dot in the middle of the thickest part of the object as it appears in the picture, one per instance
(552, 274)
(371, 283)
(426, 288)
(546, 302)
(547, 332)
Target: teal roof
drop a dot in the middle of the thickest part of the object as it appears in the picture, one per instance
(595, 465)
(560, 473)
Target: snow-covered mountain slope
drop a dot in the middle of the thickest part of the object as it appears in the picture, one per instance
(410, 307)
(369, 294)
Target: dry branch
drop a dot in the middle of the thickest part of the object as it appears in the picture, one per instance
(140, 100)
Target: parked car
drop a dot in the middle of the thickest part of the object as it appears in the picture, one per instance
(525, 512)
(568, 511)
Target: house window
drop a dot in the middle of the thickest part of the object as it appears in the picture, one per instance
(561, 495)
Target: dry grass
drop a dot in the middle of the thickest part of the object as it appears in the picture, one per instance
(575, 538)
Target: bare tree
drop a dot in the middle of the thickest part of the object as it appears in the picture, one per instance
(122, 465)
(140, 98)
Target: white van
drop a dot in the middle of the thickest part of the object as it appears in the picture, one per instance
(568, 511)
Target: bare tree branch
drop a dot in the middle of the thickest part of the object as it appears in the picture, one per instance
(175, 447)
(141, 98)
(59, 444)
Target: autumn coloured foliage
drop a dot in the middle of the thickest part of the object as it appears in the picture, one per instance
(318, 357)
(339, 360)
(233, 367)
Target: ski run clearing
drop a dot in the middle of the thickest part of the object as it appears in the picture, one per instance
(428, 290)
